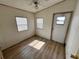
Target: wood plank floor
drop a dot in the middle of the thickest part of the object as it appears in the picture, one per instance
(36, 48)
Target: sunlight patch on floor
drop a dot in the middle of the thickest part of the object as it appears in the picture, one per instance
(37, 44)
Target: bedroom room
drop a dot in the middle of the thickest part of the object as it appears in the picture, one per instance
(39, 29)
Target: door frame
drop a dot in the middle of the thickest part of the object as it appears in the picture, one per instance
(68, 24)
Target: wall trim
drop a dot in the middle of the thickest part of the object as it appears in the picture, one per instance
(50, 40)
(17, 43)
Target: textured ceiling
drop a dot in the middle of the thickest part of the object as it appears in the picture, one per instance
(28, 5)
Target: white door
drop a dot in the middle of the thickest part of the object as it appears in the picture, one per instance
(60, 26)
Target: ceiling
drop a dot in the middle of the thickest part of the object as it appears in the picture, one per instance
(28, 5)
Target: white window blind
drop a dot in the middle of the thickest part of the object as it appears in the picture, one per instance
(21, 23)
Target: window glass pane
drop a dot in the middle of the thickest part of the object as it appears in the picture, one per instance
(21, 23)
(60, 20)
(21, 20)
(22, 27)
(40, 20)
(40, 23)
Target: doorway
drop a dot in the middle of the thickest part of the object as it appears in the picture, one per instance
(60, 26)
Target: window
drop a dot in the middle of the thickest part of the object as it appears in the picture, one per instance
(40, 23)
(21, 23)
(60, 20)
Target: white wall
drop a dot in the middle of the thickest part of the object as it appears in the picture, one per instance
(72, 44)
(47, 14)
(8, 29)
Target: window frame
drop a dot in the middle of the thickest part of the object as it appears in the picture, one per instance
(17, 25)
(37, 23)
